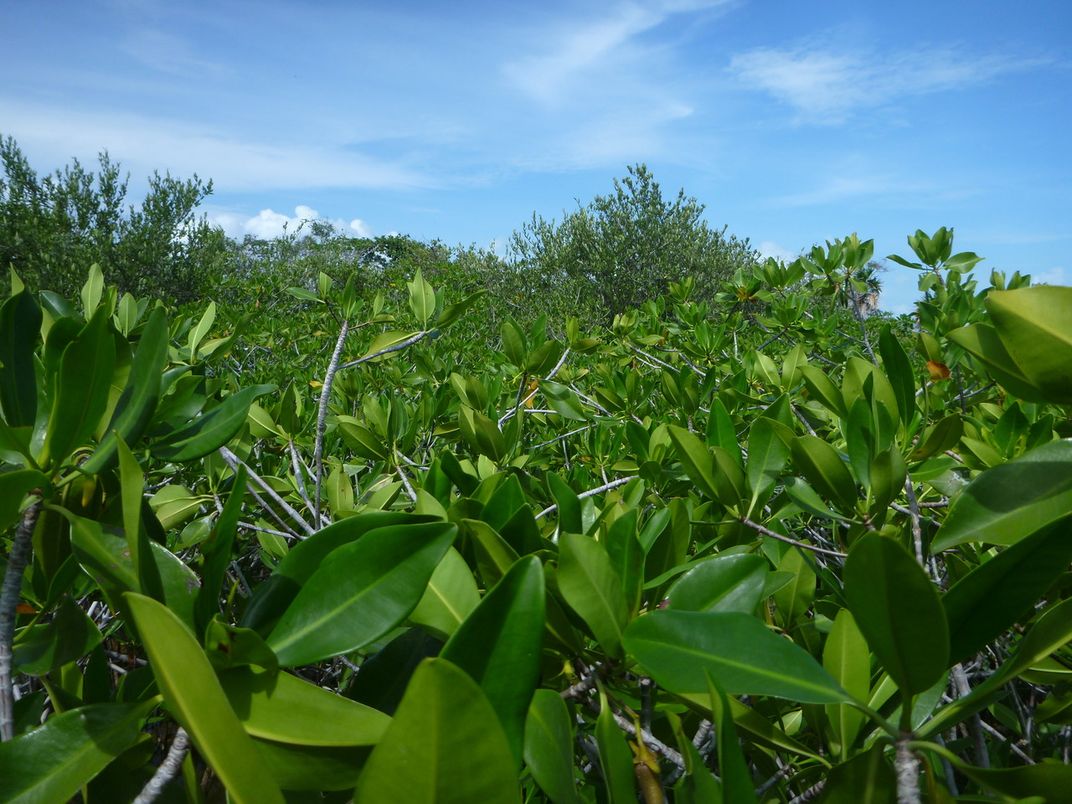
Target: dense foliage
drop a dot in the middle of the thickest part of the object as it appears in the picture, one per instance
(746, 545)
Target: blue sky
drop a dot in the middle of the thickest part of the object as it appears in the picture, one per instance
(794, 122)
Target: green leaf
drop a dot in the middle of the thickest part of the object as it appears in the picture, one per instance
(1001, 591)
(194, 696)
(942, 436)
(680, 648)
(820, 387)
(217, 552)
(591, 587)
(20, 332)
(865, 779)
(824, 469)
(450, 597)
(209, 431)
(615, 759)
(53, 762)
(452, 312)
(361, 592)
(445, 745)
(848, 660)
(983, 342)
(797, 595)
(287, 709)
(498, 645)
(422, 300)
(361, 440)
(85, 378)
(898, 611)
(723, 583)
(767, 454)
(92, 290)
(563, 401)
(569, 506)
(42, 648)
(549, 747)
(132, 488)
(1047, 781)
(1008, 502)
(697, 460)
(899, 371)
(513, 342)
(312, 768)
(198, 333)
(138, 402)
(1035, 325)
(14, 486)
(736, 779)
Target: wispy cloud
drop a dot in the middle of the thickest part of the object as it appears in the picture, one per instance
(768, 248)
(826, 86)
(143, 144)
(168, 53)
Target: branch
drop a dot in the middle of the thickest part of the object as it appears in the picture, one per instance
(322, 416)
(621, 481)
(520, 402)
(397, 347)
(167, 771)
(796, 543)
(907, 765)
(234, 462)
(9, 600)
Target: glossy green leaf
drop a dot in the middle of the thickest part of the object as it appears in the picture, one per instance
(1013, 500)
(53, 762)
(445, 745)
(198, 333)
(229, 646)
(43, 647)
(139, 399)
(194, 696)
(697, 460)
(1047, 781)
(498, 645)
(132, 489)
(1002, 590)
(736, 779)
(452, 312)
(824, 469)
(627, 557)
(591, 587)
(85, 377)
(1035, 325)
(723, 583)
(899, 372)
(271, 598)
(569, 507)
(679, 649)
(794, 599)
(360, 592)
(287, 709)
(847, 659)
(983, 342)
(615, 759)
(549, 747)
(450, 597)
(209, 431)
(767, 455)
(820, 387)
(944, 435)
(20, 332)
(513, 343)
(422, 300)
(898, 610)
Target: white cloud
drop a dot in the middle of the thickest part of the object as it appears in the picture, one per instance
(768, 248)
(826, 85)
(143, 144)
(268, 223)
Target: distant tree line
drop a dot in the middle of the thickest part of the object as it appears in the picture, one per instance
(602, 259)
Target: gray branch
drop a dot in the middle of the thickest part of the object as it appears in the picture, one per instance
(167, 771)
(9, 600)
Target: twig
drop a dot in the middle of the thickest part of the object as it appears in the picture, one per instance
(322, 416)
(975, 723)
(1012, 746)
(167, 770)
(397, 347)
(234, 462)
(299, 476)
(621, 481)
(405, 483)
(796, 543)
(913, 511)
(9, 600)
